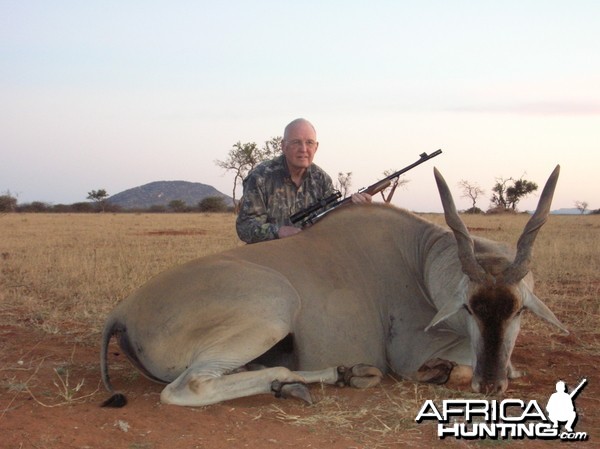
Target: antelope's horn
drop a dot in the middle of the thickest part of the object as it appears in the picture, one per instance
(520, 266)
(466, 250)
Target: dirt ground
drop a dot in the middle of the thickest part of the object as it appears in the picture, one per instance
(44, 405)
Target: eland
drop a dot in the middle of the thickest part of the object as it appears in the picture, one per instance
(366, 291)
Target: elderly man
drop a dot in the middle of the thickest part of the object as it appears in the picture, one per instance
(278, 188)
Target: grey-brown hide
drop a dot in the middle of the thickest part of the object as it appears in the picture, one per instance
(369, 285)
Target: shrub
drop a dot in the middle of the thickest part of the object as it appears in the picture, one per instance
(212, 204)
(473, 210)
(82, 207)
(8, 203)
(35, 206)
(500, 210)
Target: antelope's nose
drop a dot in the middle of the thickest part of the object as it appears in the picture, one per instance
(491, 388)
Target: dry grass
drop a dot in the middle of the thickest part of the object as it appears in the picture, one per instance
(384, 418)
(60, 272)
(64, 273)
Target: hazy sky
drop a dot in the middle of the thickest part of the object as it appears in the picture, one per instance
(115, 94)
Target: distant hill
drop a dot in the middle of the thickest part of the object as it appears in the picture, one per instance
(563, 211)
(567, 211)
(161, 193)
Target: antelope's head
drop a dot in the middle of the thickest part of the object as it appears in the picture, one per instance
(495, 292)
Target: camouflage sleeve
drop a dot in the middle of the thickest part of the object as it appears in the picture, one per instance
(328, 183)
(251, 223)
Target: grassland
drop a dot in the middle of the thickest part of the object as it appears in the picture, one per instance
(70, 270)
(54, 266)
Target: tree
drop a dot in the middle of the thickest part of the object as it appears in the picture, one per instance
(343, 183)
(271, 148)
(243, 157)
(506, 196)
(471, 191)
(519, 190)
(8, 203)
(582, 206)
(99, 197)
(498, 197)
(212, 204)
(397, 182)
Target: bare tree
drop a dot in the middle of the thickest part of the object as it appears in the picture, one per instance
(388, 192)
(343, 183)
(582, 206)
(472, 191)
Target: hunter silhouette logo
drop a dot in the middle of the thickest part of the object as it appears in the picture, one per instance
(560, 406)
(506, 418)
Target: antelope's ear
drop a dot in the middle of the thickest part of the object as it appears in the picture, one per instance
(449, 309)
(536, 305)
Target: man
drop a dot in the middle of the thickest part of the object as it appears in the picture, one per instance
(278, 188)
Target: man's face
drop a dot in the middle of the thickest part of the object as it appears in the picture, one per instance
(300, 146)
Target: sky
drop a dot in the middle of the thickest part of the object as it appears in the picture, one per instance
(115, 94)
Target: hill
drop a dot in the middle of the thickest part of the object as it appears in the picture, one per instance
(161, 193)
(567, 211)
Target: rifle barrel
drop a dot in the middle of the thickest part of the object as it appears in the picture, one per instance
(313, 212)
(424, 157)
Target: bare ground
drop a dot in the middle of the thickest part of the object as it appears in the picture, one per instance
(44, 405)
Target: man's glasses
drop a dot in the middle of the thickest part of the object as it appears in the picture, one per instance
(297, 143)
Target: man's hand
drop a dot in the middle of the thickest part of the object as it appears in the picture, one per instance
(361, 198)
(287, 231)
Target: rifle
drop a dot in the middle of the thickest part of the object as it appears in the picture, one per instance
(316, 211)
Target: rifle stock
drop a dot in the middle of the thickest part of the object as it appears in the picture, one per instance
(316, 211)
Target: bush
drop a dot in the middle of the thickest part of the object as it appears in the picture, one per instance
(500, 210)
(8, 203)
(178, 206)
(212, 204)
(473, 210)
(62, 208)
(157, 209)
(83, 207)
(36, 206)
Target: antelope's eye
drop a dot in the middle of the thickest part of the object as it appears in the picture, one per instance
(468, 309)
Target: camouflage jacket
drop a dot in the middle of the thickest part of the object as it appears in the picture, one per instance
(270, 197)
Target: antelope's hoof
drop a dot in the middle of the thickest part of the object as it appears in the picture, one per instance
(435, 371)
(359, 376)
(287, 390)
